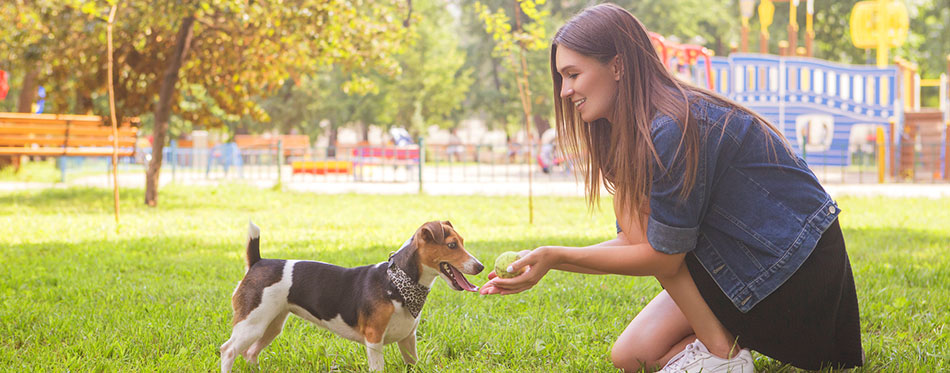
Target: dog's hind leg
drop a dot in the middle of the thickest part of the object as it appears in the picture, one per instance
(244, 333)
(275, 327)
(407, 346)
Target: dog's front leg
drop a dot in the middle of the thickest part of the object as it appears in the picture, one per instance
(408, 348)
(374, 353)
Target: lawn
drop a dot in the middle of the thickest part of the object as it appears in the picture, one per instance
(77, 296)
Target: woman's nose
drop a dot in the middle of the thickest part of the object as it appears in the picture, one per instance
(566, 92)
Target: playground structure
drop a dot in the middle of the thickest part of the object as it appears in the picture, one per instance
(821, 106)
(834, 115)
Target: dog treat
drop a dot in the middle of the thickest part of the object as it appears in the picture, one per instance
(503, 261)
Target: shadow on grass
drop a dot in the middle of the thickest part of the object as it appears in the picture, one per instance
(171, 198)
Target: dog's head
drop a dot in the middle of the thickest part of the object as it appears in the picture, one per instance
(440, 248)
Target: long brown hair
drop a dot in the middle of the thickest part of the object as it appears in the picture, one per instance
(645, 89)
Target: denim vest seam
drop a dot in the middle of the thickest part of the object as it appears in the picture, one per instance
(810, 228)
(748, 253)
(745, 228)
(721, 123)
(750, 291)
(723, 276)
(787, 210)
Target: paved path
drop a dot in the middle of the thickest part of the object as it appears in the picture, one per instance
(542, 188)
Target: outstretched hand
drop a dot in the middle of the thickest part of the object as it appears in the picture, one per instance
(536, 263)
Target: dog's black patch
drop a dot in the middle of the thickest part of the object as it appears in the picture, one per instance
(326, 290)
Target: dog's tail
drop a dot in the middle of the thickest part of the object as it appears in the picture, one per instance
(253, 254)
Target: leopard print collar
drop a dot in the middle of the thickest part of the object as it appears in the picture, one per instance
(412, 291)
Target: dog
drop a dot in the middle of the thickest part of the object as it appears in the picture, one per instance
(374, 305)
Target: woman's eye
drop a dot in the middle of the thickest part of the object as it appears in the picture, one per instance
(453, 245)
(572, 76)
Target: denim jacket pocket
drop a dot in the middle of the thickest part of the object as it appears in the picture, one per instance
(754, 216)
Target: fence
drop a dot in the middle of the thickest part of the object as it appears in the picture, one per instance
(437, 163)
(465, 163)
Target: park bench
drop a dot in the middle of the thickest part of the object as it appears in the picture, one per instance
(322, 167)
(61, 135)
(293, 145)
(407, 155)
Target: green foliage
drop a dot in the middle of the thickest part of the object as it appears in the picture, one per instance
(428, 90)
(447, 61)
(713, 24)
(76, 296)
(515, 37)
(433, 82)
(239, 50)
(499, 25)
(928, 42)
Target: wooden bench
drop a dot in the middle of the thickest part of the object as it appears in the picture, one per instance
(322, 167)
(59, 135)
(294, 145)
(386, 155)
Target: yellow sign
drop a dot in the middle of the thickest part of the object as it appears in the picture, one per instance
(766, 10)
(867, 28)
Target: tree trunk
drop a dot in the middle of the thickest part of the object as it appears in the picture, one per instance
(84, 104)
(364, 131)
(28, 92)
(331, 141)
(163, 109)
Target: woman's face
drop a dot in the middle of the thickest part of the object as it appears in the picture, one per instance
(589, 84)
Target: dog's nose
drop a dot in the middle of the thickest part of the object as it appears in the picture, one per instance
(478, 268)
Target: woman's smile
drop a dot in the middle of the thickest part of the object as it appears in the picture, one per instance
(588, 83)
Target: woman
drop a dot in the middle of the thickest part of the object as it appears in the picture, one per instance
(709, 199)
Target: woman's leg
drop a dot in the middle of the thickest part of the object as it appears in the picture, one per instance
(699, 316)
(657, 333)
(662, 329)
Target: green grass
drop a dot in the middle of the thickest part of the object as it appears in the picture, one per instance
(46, 171)
(77, 296)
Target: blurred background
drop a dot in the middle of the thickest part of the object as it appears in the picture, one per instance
(395, 91)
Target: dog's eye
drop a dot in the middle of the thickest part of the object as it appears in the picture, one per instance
(453, 245)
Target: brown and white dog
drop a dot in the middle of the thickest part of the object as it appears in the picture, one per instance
(374, 305)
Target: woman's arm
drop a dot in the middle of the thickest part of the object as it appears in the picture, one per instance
(629, 254)
(630, 259)
(570, 267)
(621, 240)
(633, 260)
(632, 232)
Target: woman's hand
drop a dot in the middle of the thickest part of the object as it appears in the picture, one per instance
(536, 263)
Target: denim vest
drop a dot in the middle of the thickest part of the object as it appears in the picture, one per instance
(755, 212)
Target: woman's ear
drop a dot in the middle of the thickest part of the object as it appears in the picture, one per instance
(617, 67)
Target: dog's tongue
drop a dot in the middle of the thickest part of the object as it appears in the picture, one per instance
(461, 281)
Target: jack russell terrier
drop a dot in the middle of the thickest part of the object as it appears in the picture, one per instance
(374, 305)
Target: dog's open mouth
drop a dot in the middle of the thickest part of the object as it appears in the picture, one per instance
(458, 279)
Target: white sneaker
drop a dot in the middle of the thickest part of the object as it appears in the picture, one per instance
(696, 358)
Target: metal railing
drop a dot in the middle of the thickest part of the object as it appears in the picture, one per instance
(468, 163)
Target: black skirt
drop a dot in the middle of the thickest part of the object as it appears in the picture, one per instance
(811, 321)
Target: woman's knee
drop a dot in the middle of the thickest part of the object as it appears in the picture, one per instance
(628, 355)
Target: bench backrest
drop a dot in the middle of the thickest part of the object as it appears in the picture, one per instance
(57, 134)
(258, 142)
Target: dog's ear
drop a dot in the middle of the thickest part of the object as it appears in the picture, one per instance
(448, 223)
(432, 232)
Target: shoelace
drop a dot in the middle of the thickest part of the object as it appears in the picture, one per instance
(681, 359)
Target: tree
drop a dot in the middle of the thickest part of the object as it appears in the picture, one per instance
(434, 81)
(494, 95)
(235, 51)
(430, 88)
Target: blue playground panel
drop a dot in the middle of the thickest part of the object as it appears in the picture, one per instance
(810, 96)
